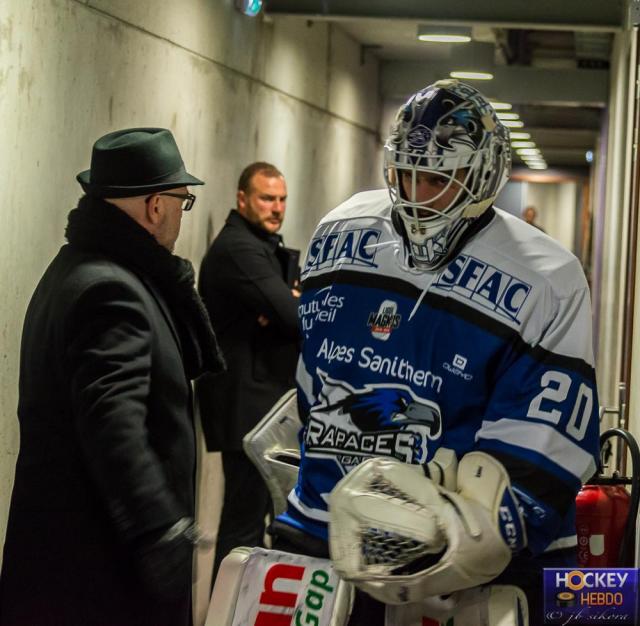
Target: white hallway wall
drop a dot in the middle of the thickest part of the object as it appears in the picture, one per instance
(556, 207)
(232, 89)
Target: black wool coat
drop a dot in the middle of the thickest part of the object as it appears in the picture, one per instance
(107, 451)
(241, 278)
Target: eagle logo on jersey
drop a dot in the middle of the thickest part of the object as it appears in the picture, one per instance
(376, 420)
(386, 408)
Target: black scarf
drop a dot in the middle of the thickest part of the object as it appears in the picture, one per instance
(101, 227)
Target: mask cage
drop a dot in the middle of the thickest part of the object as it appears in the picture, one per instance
(471, 187)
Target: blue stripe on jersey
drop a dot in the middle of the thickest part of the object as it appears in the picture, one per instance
(551, 411)
(434, 301)
(534, 458)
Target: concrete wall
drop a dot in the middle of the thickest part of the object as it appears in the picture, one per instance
(512, 197)
(232, 89)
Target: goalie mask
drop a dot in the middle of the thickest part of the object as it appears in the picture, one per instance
(446, 159)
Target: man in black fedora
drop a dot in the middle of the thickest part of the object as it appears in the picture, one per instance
(101, 526)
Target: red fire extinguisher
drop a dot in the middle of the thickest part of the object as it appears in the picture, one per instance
(606, 513)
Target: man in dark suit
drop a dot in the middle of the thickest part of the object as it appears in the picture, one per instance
(101, 527)
(248, 285)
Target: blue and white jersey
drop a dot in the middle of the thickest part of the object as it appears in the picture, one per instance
(492, 352)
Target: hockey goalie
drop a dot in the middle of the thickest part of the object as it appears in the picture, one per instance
(446, 388)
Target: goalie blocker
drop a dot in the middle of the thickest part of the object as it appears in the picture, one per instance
(400, 537)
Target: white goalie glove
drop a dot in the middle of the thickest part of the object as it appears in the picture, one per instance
(400, 537)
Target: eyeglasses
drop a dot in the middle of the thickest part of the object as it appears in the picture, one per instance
(188, 199)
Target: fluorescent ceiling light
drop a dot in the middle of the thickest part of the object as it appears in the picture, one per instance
(508, 116)
(527, 151)
(443, 34)
(523, 144)
(518, 135)
(513, 124)
(472, 75)
(537, 166)
(501, 106)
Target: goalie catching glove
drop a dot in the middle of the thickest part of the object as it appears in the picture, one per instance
(400, 537)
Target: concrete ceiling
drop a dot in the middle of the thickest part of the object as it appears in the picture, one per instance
(550, 59)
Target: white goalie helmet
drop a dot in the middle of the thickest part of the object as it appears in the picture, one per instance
(446, 159)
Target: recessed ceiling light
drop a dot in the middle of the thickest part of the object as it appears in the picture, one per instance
(518, 135)
(443, 34)
(471, 75)
(523, 144)
(508, 116)
(513, 123)
(501, 106)
(538, 166)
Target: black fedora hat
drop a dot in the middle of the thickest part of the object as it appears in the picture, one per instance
(133, 162)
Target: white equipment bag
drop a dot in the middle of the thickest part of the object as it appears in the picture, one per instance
(258, 587)
(274, 449)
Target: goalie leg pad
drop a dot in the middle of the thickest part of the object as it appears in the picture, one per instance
(492, 605)
(256, 586)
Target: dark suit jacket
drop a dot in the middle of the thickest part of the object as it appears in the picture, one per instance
(107, 450)
(242, 277)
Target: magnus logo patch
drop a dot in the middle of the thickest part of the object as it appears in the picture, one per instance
(353, 247)
(384, 320)
(486, 285)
